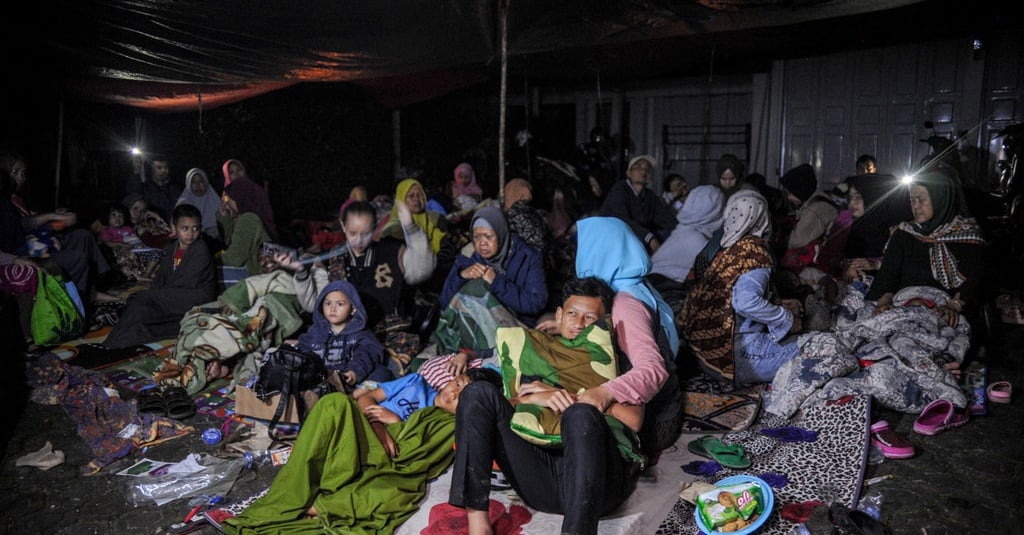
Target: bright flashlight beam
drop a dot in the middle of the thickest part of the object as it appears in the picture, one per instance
(136, 151)
(907, 179)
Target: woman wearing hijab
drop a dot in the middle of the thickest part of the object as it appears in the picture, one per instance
(877, 204)
(525, 221)
(645, 329)
(500, 284)
(699, 218)
(730, 320)
(672, 265)
(512, 270)
(411, 192)
(199, 193)
(464, 182)
(248, 195)
(940, 248)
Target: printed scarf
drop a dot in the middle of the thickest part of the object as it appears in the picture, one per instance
(944, 265)
(707, 317)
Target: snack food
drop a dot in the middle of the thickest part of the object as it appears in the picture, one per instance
(732, 507)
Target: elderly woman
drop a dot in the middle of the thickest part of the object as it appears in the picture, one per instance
(730, 320)
(940, 248)
(501, 284)
(512, 270)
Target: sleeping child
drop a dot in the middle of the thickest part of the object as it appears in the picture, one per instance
(339, 479)
(340, 336)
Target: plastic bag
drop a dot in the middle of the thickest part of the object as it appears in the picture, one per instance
(216, 478)
(55, 316)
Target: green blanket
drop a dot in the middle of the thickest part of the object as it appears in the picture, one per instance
(339, 466)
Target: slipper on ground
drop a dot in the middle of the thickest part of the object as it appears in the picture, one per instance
(791, 434)
(728, 455)
(1000, 392)
(893, 446)
(939, 416)
(178, 403)
(150, 400)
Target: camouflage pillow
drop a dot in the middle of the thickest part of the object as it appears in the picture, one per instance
(529, 355)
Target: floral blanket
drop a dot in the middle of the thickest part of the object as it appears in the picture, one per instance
(897, 357)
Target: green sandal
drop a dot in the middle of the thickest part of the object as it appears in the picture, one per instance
(728, 455)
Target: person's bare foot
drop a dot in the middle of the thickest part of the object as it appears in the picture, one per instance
(954, 368)
(104, 297)
(215, 370)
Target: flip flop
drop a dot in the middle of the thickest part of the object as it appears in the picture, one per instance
(791, 434)
(701, 468)
(728, 455)
(1000, 392)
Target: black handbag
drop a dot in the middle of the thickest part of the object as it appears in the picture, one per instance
(289, 371)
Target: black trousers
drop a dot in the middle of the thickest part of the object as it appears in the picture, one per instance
(583, 480)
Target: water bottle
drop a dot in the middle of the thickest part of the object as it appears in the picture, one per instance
(258, 458)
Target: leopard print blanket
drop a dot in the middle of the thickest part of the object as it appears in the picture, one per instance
(829, 469)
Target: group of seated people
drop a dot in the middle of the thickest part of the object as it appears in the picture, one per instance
(657, 285)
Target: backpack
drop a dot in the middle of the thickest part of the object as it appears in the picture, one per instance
(55, 315)
(289, 371)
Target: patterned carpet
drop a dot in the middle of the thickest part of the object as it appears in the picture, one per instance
(828, 469)
(713, 407)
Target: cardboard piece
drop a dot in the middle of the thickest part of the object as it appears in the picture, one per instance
(247, 404)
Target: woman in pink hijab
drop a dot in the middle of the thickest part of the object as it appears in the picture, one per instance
(464, 182)
(248, 195)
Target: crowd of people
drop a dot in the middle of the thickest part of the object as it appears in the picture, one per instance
(421, 297)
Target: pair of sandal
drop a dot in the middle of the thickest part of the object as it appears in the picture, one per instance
(728, 455)
(173, 402)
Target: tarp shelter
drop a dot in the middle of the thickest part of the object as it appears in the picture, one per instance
(188, 54)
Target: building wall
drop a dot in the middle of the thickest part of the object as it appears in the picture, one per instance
(827, 110)
(877, 101)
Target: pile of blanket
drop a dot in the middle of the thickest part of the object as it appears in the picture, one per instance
(898, 357)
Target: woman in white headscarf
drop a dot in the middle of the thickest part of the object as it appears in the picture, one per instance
(730, 320)
(699, 218)
(200, 193)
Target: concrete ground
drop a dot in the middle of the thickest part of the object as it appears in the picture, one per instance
(963, 481)
(966, 480)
